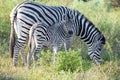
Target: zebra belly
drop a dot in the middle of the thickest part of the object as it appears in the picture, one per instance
(49, 44)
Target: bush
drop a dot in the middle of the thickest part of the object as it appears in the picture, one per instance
(45, 58)
(115, 3)
(71, 61)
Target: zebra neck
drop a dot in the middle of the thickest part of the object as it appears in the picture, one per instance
(86, 30)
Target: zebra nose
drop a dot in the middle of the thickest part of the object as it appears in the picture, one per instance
(70, 32)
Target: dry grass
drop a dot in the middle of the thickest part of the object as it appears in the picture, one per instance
(108, 71)
(107, 21)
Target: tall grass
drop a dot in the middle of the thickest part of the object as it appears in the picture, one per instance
(74, 65)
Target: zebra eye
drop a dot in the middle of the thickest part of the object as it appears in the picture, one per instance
(70, 32)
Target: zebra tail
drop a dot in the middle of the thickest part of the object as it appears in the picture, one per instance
(13, 15)
(12, 41)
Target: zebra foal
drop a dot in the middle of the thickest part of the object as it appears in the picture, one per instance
(52, 36)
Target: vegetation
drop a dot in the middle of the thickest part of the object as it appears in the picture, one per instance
(115, 3)
(73, 65)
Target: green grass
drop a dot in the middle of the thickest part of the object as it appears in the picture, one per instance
(108, 71)
(76, 64)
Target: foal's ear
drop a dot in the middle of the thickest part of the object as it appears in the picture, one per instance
(71, 17)
(65, 18)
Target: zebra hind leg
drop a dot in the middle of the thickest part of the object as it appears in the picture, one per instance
(28, 58)
(29, 55)
(17, 48)
(35, 57)
(23, 57)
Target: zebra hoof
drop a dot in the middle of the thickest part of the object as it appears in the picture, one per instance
(28, 67)
(23, 64)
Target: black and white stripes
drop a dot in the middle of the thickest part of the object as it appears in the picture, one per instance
(91, 36)
(24, 15)
(52, 36)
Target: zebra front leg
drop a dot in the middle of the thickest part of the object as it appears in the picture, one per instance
(68, 43)
(55, 48)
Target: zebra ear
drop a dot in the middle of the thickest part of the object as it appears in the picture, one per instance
(71, 17)
(65, 18)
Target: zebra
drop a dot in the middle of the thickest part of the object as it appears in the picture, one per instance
(52, 36)
(24, 15)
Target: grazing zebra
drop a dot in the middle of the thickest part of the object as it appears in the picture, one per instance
(24, 15)
(52, 36)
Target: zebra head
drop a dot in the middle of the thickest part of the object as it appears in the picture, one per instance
(68, 24)
(96, 48)
(87, 31)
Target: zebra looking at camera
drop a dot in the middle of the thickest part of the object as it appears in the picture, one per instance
(24, 15)
(52, 36)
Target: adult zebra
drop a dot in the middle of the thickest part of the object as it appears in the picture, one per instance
(24, 15)
(52, 36)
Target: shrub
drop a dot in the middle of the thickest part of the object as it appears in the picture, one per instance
(71, 61)
(45, 58)
(115, 3)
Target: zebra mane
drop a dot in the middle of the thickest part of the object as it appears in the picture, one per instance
(77, 14)
(87, 20)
